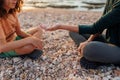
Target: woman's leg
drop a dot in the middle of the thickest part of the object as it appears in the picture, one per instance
(102, 52)
(78, 38)
(36, 32)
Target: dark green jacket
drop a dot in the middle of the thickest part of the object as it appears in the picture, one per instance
(110, 21)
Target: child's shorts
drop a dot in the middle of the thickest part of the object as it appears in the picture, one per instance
(10, 53)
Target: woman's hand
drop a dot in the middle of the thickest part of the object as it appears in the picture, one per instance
(82, 46)
(36, 42)
(56, 27)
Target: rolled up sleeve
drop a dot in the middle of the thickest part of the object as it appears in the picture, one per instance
(110, 19)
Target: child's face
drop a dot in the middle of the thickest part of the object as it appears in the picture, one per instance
(10, 3)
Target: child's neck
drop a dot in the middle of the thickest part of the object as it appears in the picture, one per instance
(6, 8)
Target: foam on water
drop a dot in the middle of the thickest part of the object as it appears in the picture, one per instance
(74, 4)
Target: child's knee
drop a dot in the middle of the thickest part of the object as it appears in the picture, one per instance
(28, 48)
(25, 50)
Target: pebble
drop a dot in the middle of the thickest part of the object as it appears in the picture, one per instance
(116, 78)
(16, 59)
(44, 57)
(38, 79)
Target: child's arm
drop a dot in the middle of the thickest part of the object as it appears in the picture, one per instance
(5, 47)
(8, 46)
(21, 33)
(92, 37)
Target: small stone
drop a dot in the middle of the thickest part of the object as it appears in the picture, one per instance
(116, 78)
(78, 78)
(71, 76)
(39, 79)
(25, 64)
(17, 72)
(16, 59)
(43, 69)
(109, 76)
(38, 68)
(68, 53)
(117, 72)
(105, 78)
(96, 77)
(44, 58)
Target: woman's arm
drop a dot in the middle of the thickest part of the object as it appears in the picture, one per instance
(92, 37)
(83, 44)
(64, 27)
(69, 28)
(107, 21)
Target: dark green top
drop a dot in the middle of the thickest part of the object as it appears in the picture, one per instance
(110, 21)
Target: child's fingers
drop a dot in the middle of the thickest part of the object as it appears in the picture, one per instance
(42, 26)
(39, 46)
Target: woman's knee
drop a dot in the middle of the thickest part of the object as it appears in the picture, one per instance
(90, 50)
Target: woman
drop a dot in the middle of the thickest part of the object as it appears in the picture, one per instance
(96, 49)
(13, 41)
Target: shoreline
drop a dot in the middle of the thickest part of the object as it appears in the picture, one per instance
(34, 8)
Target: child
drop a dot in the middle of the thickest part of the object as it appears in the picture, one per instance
(13, 41)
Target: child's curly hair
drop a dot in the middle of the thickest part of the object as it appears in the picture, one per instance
(17, 8)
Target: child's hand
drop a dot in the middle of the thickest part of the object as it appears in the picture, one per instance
(43, 27)
(36, 42)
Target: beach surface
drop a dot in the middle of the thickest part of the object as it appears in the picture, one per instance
(60, 60)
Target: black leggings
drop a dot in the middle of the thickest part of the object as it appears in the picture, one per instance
(98, 50)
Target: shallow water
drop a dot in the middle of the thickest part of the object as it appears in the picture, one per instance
(68, 4)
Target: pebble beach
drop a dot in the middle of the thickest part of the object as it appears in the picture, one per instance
(60, 60)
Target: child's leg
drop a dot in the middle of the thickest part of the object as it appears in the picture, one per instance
(37, 32)
(79, 38)
(25, 50)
